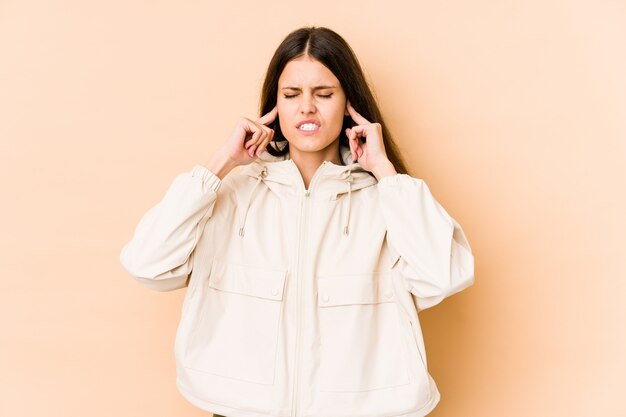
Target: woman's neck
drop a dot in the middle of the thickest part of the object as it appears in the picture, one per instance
(309, 162)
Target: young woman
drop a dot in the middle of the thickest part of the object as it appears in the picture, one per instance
(306, 268)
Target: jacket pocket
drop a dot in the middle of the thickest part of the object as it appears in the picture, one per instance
(236, 329)
(362, 347)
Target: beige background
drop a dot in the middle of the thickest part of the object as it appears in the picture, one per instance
(513, 112)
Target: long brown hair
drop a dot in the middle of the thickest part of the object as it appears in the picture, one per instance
(333, 51)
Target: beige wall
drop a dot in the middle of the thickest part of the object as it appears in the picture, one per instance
(513, 112)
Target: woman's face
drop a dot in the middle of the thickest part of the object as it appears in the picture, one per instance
(311, 105)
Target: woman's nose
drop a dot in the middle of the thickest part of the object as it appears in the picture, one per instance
(307, 105)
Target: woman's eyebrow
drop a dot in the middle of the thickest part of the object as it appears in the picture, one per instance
(317, 87)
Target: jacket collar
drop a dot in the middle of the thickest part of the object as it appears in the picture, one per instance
(330, 181)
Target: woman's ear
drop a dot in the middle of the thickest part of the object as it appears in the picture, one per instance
(275, 124)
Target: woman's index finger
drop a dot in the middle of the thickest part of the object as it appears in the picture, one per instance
(269, 116)
(356, 116)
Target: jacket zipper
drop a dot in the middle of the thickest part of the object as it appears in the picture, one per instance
(301, 241)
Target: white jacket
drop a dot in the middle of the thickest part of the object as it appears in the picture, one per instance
(302, 302)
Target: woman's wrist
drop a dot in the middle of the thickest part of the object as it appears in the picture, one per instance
(384, 169)
(220, 164)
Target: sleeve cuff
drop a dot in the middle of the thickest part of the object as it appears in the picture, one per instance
(394, 180)
(207, 176)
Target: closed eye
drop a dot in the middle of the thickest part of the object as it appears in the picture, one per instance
(319, 95)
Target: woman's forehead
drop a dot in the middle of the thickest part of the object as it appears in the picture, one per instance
(306, 72)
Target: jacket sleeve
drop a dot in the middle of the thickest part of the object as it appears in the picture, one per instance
(160, 253)
(433, 253)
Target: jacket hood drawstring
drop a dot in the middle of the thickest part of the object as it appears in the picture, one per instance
(262, 174)
(348, 179)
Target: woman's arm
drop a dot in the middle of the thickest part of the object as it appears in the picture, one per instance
(434, 255)
(160, 253)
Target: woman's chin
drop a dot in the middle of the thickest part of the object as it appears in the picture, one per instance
(309, 144)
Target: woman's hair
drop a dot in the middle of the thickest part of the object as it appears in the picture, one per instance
(327, 47)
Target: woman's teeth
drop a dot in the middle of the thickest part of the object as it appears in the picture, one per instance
(309, 126)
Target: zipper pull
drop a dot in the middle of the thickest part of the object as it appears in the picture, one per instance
(307, 193)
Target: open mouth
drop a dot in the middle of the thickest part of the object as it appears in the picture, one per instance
(308, 127)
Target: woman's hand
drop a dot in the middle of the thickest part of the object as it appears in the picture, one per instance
(250, 138)
(371, 155)
(244, 145)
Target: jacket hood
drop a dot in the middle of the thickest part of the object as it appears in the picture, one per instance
(330, 181)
